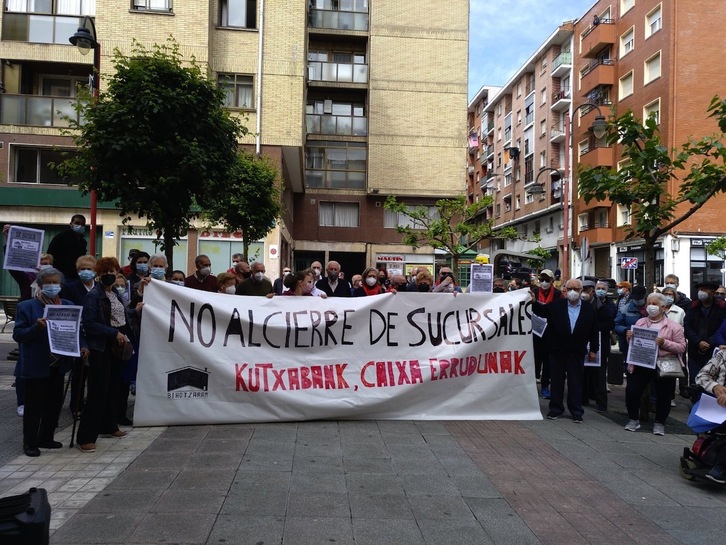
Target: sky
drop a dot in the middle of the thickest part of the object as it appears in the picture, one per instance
(503, 34)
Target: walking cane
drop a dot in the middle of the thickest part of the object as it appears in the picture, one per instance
(79, 401)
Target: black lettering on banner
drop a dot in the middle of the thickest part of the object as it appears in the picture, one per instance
(264, 329)
(234, 327)
(411, 321)
(200, 319)
(346, 327)
(251, 328)
(377, 314)
(188, 323)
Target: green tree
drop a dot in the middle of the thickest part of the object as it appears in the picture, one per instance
(697, 171)
(249, 200)
(717, 247)
(456, 228)
(156, 141)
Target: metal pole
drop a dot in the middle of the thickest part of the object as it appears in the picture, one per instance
(96, 89)
(566, 202)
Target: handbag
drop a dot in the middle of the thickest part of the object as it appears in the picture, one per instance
(669, 368)
(122, 352)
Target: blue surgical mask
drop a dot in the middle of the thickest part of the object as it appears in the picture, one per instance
(142, 268)
(177, 282)
(158, 273)
(621, 291)
(51, 290)
(669, 300)
(80, 229)
(86, 275)
(601, 293)
(120, 290)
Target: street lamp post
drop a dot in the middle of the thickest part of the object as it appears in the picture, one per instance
(599, 129)
(85, 39)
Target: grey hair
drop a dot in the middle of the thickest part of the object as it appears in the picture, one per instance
(45, 273)
(659, 298)
(157, 257)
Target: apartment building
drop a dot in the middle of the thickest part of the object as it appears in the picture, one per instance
(354, 100)
(657, 59)
(524, 149)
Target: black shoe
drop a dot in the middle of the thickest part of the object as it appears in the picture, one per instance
(717, 475)
(552, 416)
(33, 452)
(577, 419)
(124, 421)
(14, 352)
(601, 409)
(51, 444)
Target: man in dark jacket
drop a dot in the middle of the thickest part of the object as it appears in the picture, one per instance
(571, 326)
(332, 284)
(69, 245)
(703, 319)
(596, 387)
(544, 294)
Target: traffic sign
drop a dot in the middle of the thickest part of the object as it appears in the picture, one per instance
(629, 263)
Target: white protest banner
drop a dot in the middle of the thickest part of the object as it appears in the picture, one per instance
(63, 323)
(23, 249)
(209, 358)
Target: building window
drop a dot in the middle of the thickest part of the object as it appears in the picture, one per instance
(336, 165)
(652, 110)
(626, 86)
(626, 5)
(392, 219)
(582, 224)
(627, 42)
(543, 127)
(151, 5)
(339, 214)
(507, 179)
(543, 96)
(238, 13)
(653, 22)
(528, 198)
(73, 7)
(34, 165)
(623, 215)
(333, 117)
(652, 69)
(519, 117)
(517, 206)
(542, 158)
(237, 90)
(498, 210)
(499, 109)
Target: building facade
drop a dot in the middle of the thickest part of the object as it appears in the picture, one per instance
(331, 91)
(653, 57)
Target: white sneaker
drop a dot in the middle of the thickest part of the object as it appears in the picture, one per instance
(673, 402)
(658, 429)
(21, 410)
(632, 425)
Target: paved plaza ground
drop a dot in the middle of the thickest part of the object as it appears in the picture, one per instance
(370, 482)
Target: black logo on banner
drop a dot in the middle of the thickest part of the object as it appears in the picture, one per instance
(187, 383)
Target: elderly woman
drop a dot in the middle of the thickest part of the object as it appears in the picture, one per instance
(226, 283)
(671, 343)
(76, 290)
(106, 323)
(42, 370)
(370, 285)
(424, 281)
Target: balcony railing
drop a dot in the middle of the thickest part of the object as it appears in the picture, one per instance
(600, 22)
(490, 150)
(42, 29)
(562, 58)
(595, 64)
(529, 118)
(339, 20)
(490, 126)
(562, 94)
(346, 125)
(343, 72)
(40, 111)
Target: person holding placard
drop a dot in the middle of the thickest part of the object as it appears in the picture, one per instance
(671, 342)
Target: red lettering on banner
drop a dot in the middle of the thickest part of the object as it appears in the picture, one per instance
(391, 373)
(292, 378)
(518, 357)
(240, 382)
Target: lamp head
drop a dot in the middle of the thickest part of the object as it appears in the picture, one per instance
(83, 40)
(599, 127)
(536, 189)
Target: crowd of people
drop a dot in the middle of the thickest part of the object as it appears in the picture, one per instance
(571, 356)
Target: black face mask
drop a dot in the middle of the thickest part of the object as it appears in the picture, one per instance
(108, 279)
(499, 290)
(424, 287)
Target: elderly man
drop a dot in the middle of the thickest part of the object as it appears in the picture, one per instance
(703, 319)
(202, 278)
(242, 272)
(572, 336)
(332, 284)
(256, 285)
(278, 286)
(595, 386)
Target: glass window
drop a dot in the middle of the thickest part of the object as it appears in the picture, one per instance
(627, 42)
(626, 5)
(238, 13)
(152, 5)
(336, 165)
(626, 85)
(653, 22)
(34, 165)
(238, 90)
(652, 110)
(652, 68)
(339, 214)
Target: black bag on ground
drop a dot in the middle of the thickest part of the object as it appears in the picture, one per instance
(25, 518)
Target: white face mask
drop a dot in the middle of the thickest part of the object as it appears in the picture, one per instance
(702, 295)
(259, 276)
(230, 290)
(653, 310)
(545, 285)
(204, 271)
(585, 296)
(371, 281)
(671, 286)
(572, 295)
(669, 300)
(317, 272)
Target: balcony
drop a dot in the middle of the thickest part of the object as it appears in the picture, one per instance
(557, 134)
(595, 38)
(37, 111)
(490, 151)
(561, 100)
(600, 72)
(490, 127)
(470, 170)
(562, 64)
(529, 119)
(597, 157)
(588, 114)
(337, 72)
(41, 29)
(344, 125)
(338, 20)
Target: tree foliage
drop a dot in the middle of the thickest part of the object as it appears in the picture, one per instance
(249, 200)
(697, 170)
(456, 228)
(156, 141)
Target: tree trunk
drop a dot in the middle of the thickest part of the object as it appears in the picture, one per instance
(169, 252)
(649, 277)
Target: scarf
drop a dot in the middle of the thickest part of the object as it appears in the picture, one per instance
(545, 298)
(375, 290)
(45, 300)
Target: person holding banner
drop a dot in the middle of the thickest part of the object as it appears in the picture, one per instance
(571, 325)
(299, 283)
(544, 294)
(371, 284)
(671, 343)
(42, 371)
(105, 322)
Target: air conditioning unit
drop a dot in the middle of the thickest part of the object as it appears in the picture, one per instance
(470, 170)
(549, 230)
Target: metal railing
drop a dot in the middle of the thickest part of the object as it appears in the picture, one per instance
(337, 71)
(600, 22)
(346, 125)
(562, 58)
(40, 111)
(339, 20)
(562, 94)
(595, 64)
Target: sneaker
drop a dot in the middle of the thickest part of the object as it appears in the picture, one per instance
(609, 390)
(673, 402)
(632, 425)
(577, 419)
(552, 416)
(658, 429)
(20, 410)
(717, 475)
(545, 393)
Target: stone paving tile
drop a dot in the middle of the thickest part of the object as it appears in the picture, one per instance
(180, 528)
(303, 504)
(459, 531)
(313, 531)
(393, 532)
(247, 530)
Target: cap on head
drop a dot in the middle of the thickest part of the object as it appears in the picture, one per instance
(588, 284)
(546, 274)
(708, 284)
